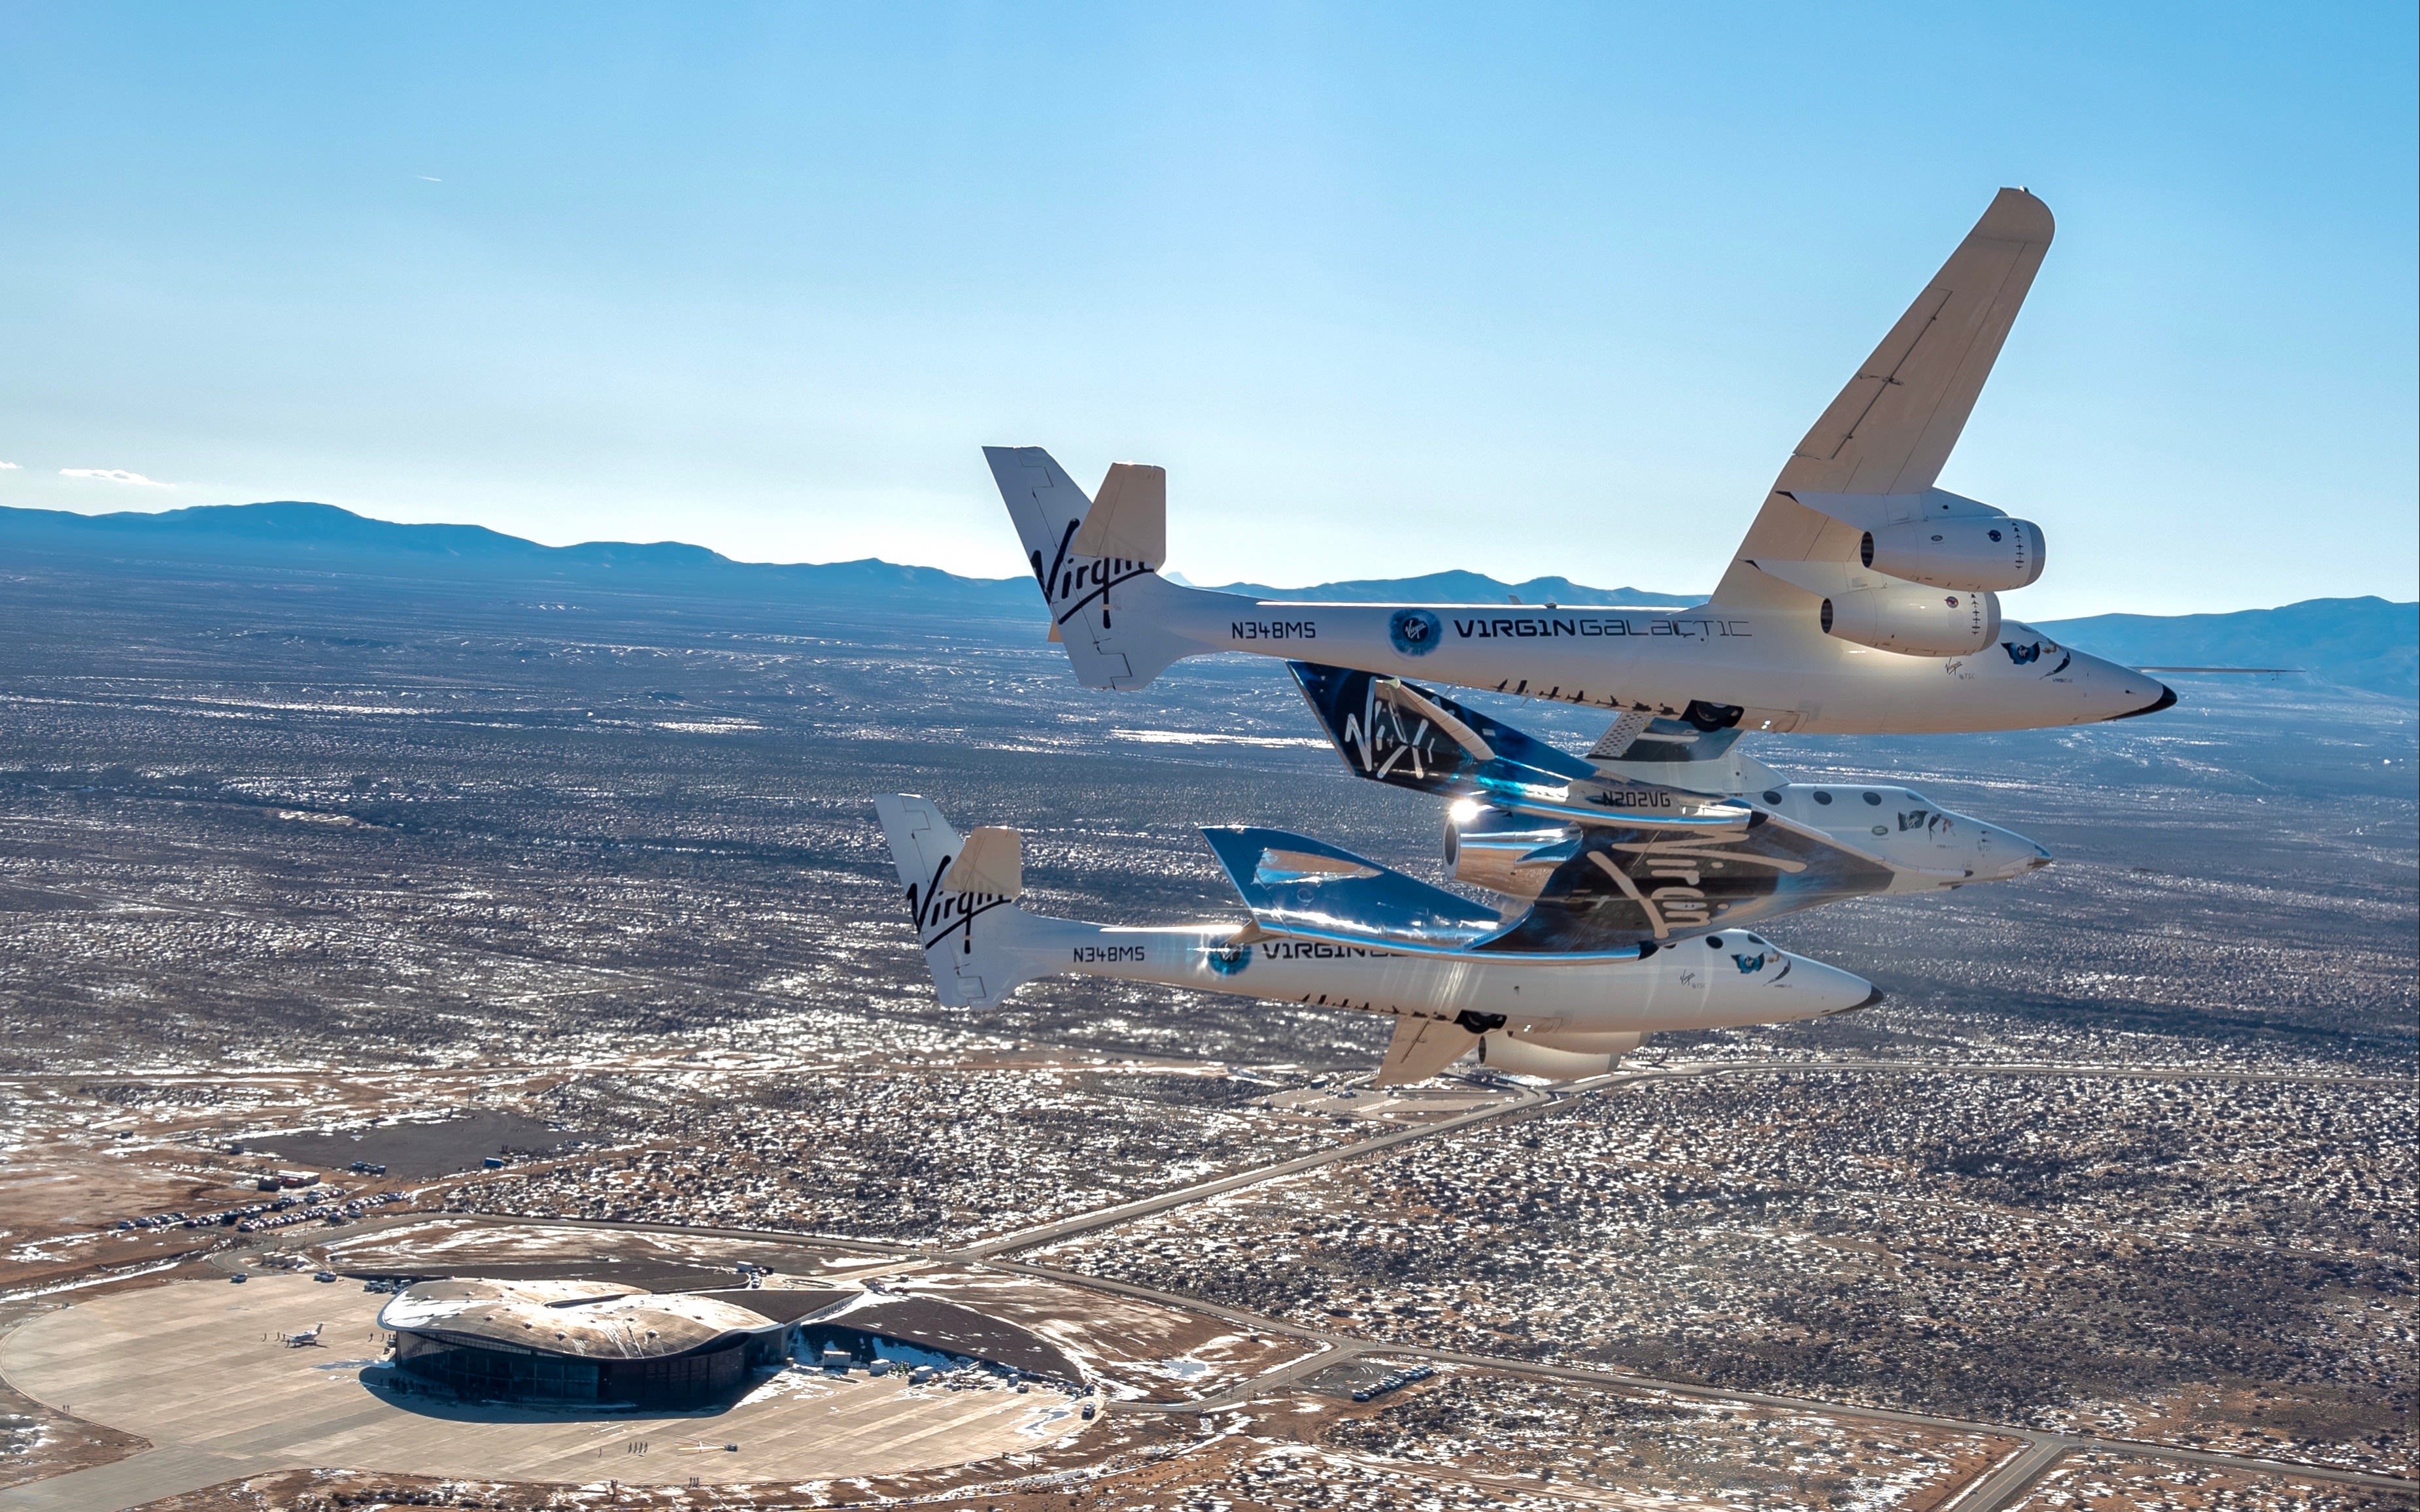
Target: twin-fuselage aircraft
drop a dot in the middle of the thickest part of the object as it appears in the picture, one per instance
(1334, 930)
(1864, 600)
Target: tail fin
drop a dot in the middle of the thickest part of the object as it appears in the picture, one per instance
(1410, 737)
(1297, 886)
(1098, 565)
(962, 894)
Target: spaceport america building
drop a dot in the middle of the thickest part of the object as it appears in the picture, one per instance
(578, 1341)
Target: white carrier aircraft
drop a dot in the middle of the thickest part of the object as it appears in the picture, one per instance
(1864, 600)
(1333, 930)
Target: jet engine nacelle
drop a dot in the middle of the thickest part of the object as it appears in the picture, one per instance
(1507, 853)
(1988, 553)
(1555, 1057)
(1914, 620)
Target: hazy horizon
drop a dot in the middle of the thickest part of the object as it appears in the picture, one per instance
(1010, 576)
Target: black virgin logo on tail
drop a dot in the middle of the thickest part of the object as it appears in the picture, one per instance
(940, 913)
(1069, 582)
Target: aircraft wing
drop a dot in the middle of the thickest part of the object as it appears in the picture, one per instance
(1421, 1049)
(1627, 887)
(1892, 428)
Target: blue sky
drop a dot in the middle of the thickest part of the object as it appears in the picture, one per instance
(1388, 289)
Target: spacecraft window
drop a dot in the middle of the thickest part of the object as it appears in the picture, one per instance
(1874, 799)
(1822, 796)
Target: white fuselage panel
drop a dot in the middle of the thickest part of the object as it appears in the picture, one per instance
(1786, 675)
(1695, 984)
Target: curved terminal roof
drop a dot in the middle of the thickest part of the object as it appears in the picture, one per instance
(585, 1320)
(948, 1327)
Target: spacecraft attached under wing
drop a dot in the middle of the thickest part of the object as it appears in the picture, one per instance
(1331, 928)
(1864, 600)
(1610, 858)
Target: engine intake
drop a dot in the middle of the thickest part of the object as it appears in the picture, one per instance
(1914, 621)
(1986, 553)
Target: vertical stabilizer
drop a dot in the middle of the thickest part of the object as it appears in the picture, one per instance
(962, 894)
(1097, 564)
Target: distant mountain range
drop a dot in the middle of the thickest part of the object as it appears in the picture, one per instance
(2367, 644)
(289, 536)
(1465, 587)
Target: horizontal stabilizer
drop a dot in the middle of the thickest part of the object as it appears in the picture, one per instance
(1296, 886)
(1421, 1049)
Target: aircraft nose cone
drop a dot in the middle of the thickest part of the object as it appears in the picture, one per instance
(2167, 699)
(2006, 854)
(1840, 991)
(2115, 687)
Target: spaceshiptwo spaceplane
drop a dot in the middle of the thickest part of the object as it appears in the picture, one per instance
(1864, 600)
(1612, 856)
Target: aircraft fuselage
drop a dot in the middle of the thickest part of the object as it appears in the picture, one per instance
(1782, 675)
(1711, 982)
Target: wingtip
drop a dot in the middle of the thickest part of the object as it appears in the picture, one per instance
(2017, 214)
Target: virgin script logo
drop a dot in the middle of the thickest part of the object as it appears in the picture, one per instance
(1415, 631)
